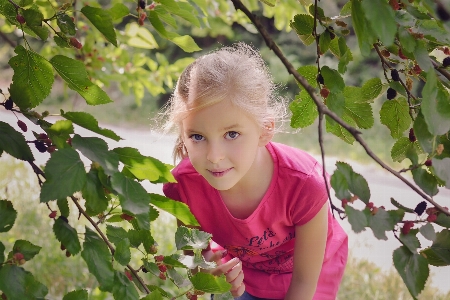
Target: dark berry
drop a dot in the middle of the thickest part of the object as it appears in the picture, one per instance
(320, 79)
(391, 93)
(428, 163)
(126, 217)
(446, 62)
(51, 149)
(68, 253)
(42, 136)
(40, 146)
(9, 104)
(142, 4)
(332, 35)
(144, 270)
(394, 75)
(412, 136)
(22, 125)
(63, 247)
(417, 69)
(20, 19)
(420, 208)
(442, 13)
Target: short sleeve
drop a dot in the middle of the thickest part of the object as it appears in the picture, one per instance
(170, 190)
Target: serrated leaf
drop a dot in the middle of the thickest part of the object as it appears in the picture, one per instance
(426, 181)
(76, 295)
(362, 28)
(73, 72)
(18, 284)
(371, 89)
(102, 20)
(357, 184)
(87, 121)
(340, 185)
(399, 205)
(333, 80)
(439, 252)
(8, 215)
(401, 148)
(123, 288)
(154, 295)
(424, 137)
(118, 11)
(176, 208)
(28, 249)
(94, 194)
(98, 259)
(186, 42)
(133, 198)
(339, 131)
(381, 222)
(116, 234)
(96, 150)
(357, 219)
(435, 101)
(413, 268)
(63, 206)
(66, 24)
(422, 56)
(34, 18)
(310, 74)
(359, 112)
(191, 238)
(179, 280)
(304, 110)
(380, 10)
(336, 103)
(428, 232)
(32, 79)
(60, 132)
(14, 143)
(407, 41)
(395, 115)
(303, 24)
(144, 167)
(65, 175)
(122, 254)
(324, 41)
(67, 235)
(410, 240)
(210, 283)
(443, 220)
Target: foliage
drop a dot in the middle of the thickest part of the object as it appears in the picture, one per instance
(89, 46)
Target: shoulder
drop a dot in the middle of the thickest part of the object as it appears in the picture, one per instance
(293, 159)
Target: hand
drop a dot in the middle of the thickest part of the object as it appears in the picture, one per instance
(232, 270)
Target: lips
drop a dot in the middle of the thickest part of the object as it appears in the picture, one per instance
(219, 172)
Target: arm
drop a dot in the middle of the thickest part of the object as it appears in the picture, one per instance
(309, 251)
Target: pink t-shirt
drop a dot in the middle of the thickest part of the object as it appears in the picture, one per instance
(265, 240)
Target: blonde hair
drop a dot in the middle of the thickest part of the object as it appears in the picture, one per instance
(236, 73)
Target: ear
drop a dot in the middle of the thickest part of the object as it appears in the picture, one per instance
(266, 133)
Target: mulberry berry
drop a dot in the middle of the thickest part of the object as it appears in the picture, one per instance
(428, 163)
(142, 4)
(407, 227)
(432, 218)
(394, 75)
(40, 146)
(75, 43)
(446, 62)
(324, 92)
(320, 79)
(420, 208)
(22, 125)
(412, 136)
(20, 19)
(9, 104)
(391, 93)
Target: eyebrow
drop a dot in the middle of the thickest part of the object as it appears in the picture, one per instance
(231, 127)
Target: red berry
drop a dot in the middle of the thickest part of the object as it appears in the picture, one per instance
(162, 268)
(412, 137)
(159, 257)
(69, 141)
(407, 227)
(431, 218)
(374, 211)
(370, 205)
(394, 4)
(75, 43)
(428, 163)
(401, 55)
(126, 217)
(22, 125)
(385, 53)
(42, 136)
(129, 275)
(18, 256)
(417, 69)
(344, 203)
(20, 19)
(52, 214)
(51, 149)
(141, 22)
(324, 92)
(162, 276)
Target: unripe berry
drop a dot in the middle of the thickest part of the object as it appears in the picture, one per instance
(22, 261)
(159, 257)
(407, 227)
(431, 218)
(126, 217)
(20, 19)
(128, 274)
(153, 249)
(22, 125)
(394, 75)
(162, 268)
(9, 104)
(52, 214)
(391, 93)
(18, 256)
(428, 163)
(324, 92)
(344, 203)
(446, 62)
(75, 43)
(412, 137)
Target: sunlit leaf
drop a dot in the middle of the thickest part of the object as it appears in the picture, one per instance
(176, 208)
(395, 115)
(87, 121)
(102, 20)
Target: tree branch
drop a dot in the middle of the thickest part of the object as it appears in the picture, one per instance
(321, 107)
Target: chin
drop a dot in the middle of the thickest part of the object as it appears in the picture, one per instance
(220, 186)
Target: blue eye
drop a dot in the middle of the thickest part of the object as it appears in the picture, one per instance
(197, 137)
(232, 135)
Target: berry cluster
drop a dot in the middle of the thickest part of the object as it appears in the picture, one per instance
(161, 266)
(373, 209)
(18, 258)
(44, 144)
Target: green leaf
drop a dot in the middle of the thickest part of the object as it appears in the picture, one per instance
(67, 235)
(32, 79)
(144, 167)
(357, 219)
(336, 129)
(118, 11)
(443, 220)
(378, 10)
(123, 288)
(191, 238)
(176, 208)
(324, 42)
(122, 254)
(310, 74)
(34, 20)
(428, 232)
(18, 284)
(28, 249)
(410, 240)
(333, 80)
(371, 89)
(87, 121)
(395, 115)
(186, 42)
(76, 295)
(357, 184)
(413, 268)
(336, 103)
(439, 252)
(340, 185)
(116, 234)
(60, 132)
(210, 283)
(134, 198)
(74, 73)
(14, 143)
(381, 222)
(422, 56)
(96, 150)
(98, 259)
(362, 28)
(407, 41)
(2, 253)
(155, 295)
(399, 205)
(424, 137)
(304, 110)
(434, 102)
(65, 175)
(63, 206)
(303, 24)
(426, 181)
(178, 279)
(8, 215)
(359, 112)
(402, 147)
(66, 24)
(103, 21)
(94, 194)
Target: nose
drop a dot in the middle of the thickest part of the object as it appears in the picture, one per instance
(215, 153)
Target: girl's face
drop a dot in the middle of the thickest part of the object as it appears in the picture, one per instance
(222, 143)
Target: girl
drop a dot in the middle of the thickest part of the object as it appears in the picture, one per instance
(264, 203)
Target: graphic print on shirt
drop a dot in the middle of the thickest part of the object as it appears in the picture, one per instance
(261, 245)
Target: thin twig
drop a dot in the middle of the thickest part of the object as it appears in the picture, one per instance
(322, 108)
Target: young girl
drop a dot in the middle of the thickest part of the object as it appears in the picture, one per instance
(264, 203)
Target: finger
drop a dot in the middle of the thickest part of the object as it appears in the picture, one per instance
(237, 282)
(217, 256)
(234, 272)
(226, 267)
(239, 291)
